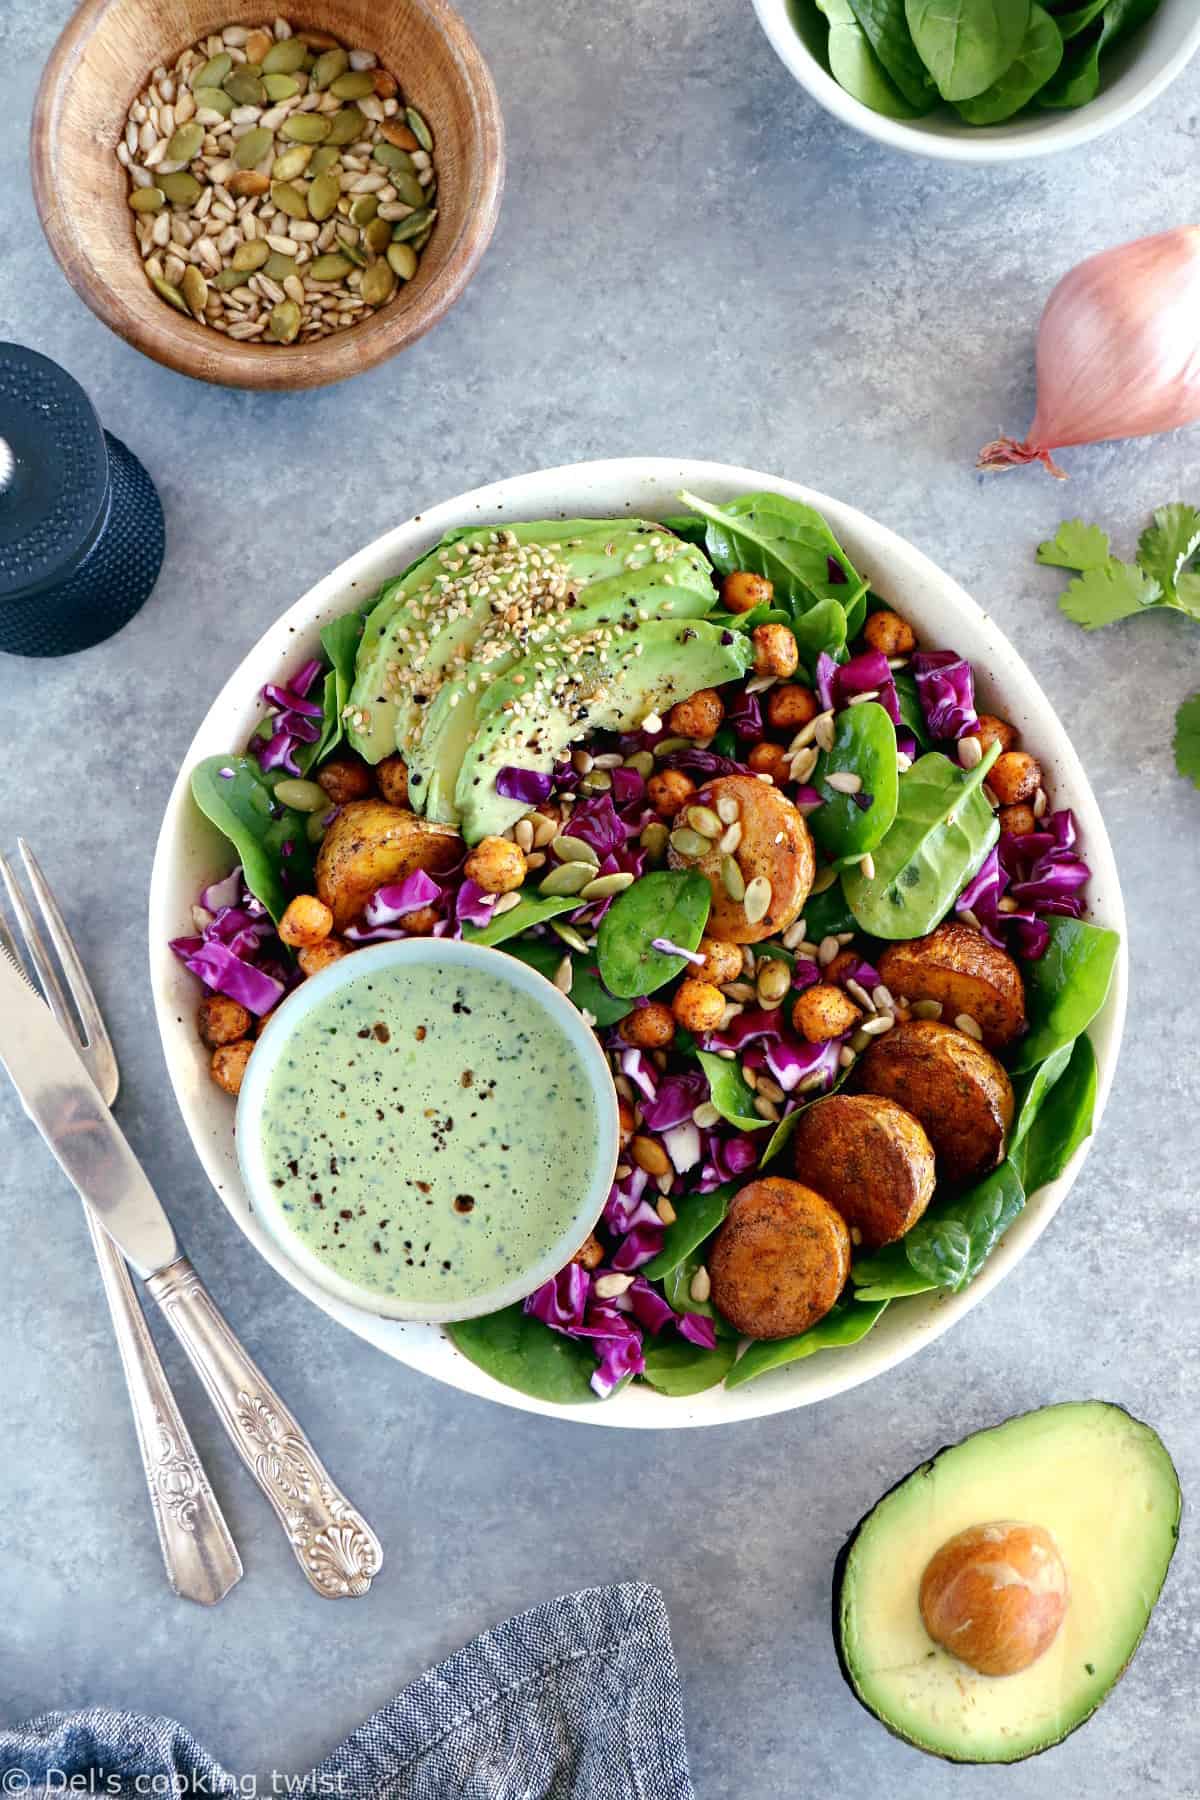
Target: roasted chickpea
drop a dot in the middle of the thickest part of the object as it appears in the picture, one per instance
(824, 1012)
(344, 780)
(319, 956)
(790, 706)
(698, 1005)
(590, 1253)
(698, 717)
(625, 1118)
(668, 791)
(221, 1021)
(991, 730)
(307, 921)
(228, 1064)
(264, 1021)
(421, 921)
(392, 776)
(1017, 821)
(1014, 777)
(742, 592)
(841, 968)
(649, 1027)
(722, 961)
(775, 651)
(887, 632)
(769, 759)
(497, 864)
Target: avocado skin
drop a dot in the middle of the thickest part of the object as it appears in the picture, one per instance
(843, 1557)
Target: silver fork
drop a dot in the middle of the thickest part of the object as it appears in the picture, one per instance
(200, 1555)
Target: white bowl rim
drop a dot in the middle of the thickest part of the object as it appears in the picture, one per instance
(1008, 142)
(629, 485)
(442, 952)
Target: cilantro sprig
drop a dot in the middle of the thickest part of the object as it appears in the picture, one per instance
(1105, 589)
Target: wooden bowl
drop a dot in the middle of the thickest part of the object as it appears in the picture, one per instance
(98, 67)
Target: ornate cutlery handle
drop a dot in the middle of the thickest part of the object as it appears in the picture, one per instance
(201, 1558)
(334, 1545)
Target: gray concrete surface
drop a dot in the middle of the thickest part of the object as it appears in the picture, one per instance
(692, 260)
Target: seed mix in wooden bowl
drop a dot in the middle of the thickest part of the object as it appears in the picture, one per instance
(281, 188)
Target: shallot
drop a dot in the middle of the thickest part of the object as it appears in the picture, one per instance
(1118, 351)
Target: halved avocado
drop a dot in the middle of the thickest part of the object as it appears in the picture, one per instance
(1102, 1484)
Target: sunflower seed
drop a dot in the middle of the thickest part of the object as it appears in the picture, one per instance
(842, 781)
(970, 752)
(700, 1286)
(966, 1024)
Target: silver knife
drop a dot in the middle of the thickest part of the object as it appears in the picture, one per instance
(333, 1543)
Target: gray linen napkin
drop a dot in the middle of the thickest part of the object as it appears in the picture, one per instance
(576, 1700)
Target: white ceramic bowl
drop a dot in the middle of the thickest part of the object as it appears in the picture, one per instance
(1134, 76)
(190, 853)
(442, 953)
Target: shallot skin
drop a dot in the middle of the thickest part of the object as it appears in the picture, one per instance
(1118, 352)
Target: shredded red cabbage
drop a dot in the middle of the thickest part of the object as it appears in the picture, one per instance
(745, 715)
(527, 785)
(702, 762)
(838, 683)
(946, 690)
(677, 1098)
(595, 823)
(388, 906)
(296, 720)
(221, 969)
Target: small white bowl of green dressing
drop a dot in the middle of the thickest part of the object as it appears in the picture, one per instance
(428, 1129)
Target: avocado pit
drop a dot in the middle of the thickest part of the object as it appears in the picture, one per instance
(995, 1596)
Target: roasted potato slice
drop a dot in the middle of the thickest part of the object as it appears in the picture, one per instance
(371, 843)
(870, 1159)
(949, 1083)
(774, 845)
(780, 1260)
(958, 967)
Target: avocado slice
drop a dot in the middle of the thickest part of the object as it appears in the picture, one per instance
(607, 680)
(624, 602)
(426, 623)
(1105, 1488)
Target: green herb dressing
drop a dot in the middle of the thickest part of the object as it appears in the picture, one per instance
(429, 1137)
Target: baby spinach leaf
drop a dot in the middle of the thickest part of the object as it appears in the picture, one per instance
(855, 66)
(912, 714)
(1065, 989)
(271, 840)
(697, 1217)
(849, 1321)
(1035, 64)
(785, 540)
(1062, 1122)
(967, 44)
(588, 992)
(339, 640)
(781, 1137)
(525, 1354)
(1078, 80)
(950, 1245)
(677, 1286)
(943, 830)
(886, 27)
(823, 627)
(729, 1092)
(1070, 24)
(864, 744)
(669, 903)
(1031, 1093)
(685, 526)
(678, 1367)
(531, 909)
(887, 1275)
(826, 913)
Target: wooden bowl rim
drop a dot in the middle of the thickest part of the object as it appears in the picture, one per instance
(191, 349)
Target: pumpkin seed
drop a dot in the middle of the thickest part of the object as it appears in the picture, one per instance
(278, 267)
(654, 840)
(408, 188)
(285, 57)
(378, 236)
(252, 255)
(331, 267)
(170, 294)
(289, 200)
(181, 188)
(212, 73)
(347, 126)
(355, 254)
(420, 241)
(355, 84)
(280, 87)
(229, 279)
(328, 66)
(604, 885)
(689, 844)
(292, 162)
(573, 849)
(378, 284)
(304, 128)
(398, 134)
(323, 196)
(412, 227)
(757, 900)
(732, 879)
(195, 290)
(284, 326)
(215, 99)
(391, 158)
(316, 828)
(363, 210)
(704, 820)
(324, 157)
(419, 128)
(153, 199)
(244, 87)
(567, 878)
(184, 143)
(251, 148)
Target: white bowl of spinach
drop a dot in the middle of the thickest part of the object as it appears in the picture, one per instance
(1062, 1066)
(983, 80)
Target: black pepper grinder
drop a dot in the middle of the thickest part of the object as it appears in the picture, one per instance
(81, 525)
